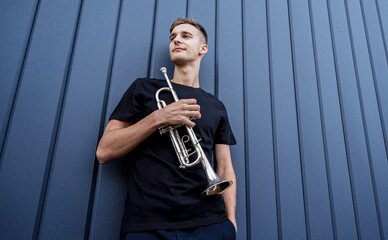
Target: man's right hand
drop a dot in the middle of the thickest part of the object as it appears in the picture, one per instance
(181, 112)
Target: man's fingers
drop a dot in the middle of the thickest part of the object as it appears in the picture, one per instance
(186, 104)
(194, 107)
(189, 104)
(190, 123)
(191, 108)
(192, 115)
(188, 101)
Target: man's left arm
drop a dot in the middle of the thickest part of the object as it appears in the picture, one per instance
(225, 171)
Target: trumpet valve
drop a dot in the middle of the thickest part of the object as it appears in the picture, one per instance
(165, 129)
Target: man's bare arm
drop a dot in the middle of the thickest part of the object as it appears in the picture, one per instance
(226, 172)
(121, 137)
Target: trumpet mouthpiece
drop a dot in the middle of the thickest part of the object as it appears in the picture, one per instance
(163, 70)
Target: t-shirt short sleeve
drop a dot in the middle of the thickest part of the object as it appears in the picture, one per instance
(131, 104)
(224, 133)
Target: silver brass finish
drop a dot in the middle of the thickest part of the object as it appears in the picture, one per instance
(215, 184)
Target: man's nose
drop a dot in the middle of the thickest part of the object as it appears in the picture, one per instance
(177, 40)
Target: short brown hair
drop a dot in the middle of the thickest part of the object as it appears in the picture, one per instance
(184, 20)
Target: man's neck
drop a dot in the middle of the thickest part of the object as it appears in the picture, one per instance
(186, 75)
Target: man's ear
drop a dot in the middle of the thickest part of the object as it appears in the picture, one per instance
(203, 49)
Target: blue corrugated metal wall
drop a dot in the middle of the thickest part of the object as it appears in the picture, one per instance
(305, 83)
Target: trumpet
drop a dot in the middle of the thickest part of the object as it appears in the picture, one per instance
(215, 184)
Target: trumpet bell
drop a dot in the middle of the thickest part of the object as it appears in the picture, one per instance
(217, 188)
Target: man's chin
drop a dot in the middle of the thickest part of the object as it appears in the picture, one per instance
(179, 61)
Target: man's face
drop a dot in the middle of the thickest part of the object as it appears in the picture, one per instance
(186, 44)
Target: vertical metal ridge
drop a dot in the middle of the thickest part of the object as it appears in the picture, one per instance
(187, 7)
(299, 124)
(323, 126)
(149, 67)
(92, 193)
(55, 131)
(273, 118)
(246, 125)
(343, 121)
(7, 124)
(381, 29)
(216, 50)
(378, 99)
(371, 168)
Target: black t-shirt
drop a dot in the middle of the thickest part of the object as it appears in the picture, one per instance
(160, 194)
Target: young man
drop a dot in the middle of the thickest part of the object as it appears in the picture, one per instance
(164, 201)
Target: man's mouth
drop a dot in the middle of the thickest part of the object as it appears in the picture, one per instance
(178, 49)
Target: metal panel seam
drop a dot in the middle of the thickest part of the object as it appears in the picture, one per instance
(216, 50)
(187, 8)
(92, 193)
(342, 119)
(323, 127)
(16, 91)
(58, 115)
(299, 129)
(378, 99)
(373, 178)
(152, 40)
(246, 126)
(381, 28)
(273, 118)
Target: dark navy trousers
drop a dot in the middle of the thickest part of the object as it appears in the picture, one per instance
(219, 231)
